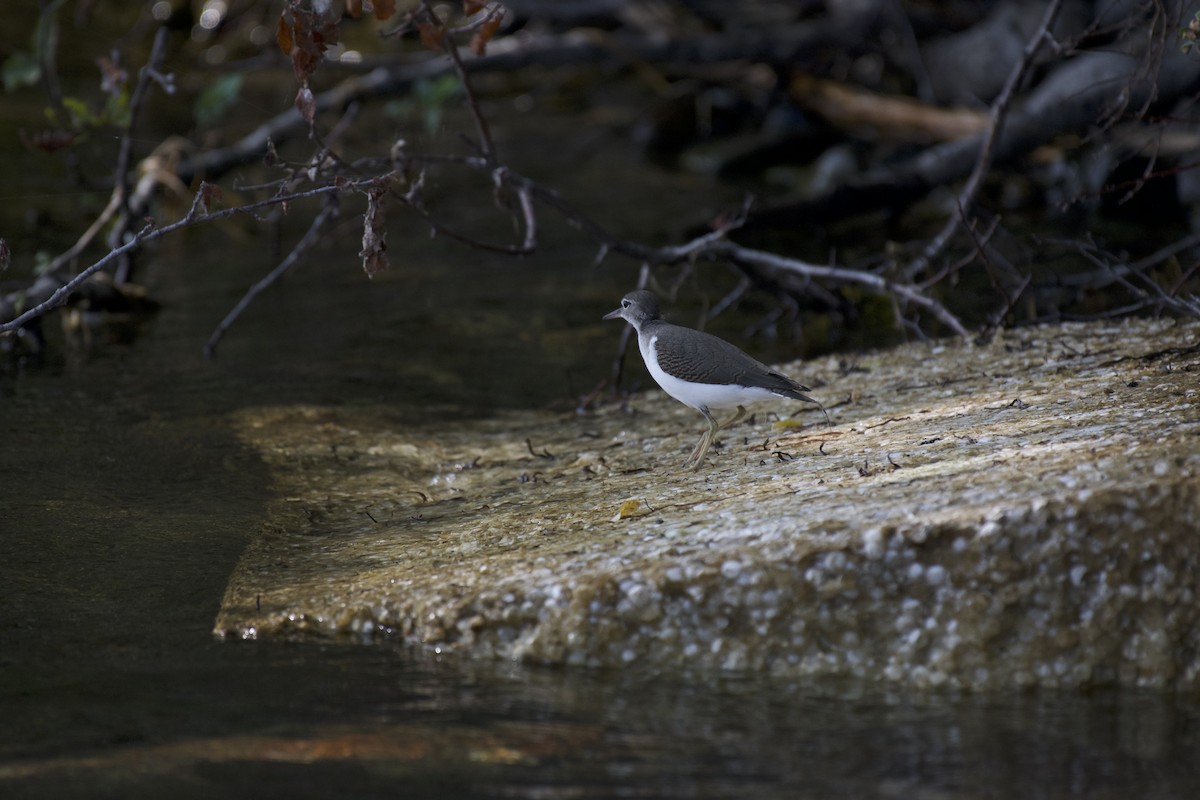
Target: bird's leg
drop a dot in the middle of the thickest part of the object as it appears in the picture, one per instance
(735, 419)
(697, 457)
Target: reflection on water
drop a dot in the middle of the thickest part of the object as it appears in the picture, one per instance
(311, 720)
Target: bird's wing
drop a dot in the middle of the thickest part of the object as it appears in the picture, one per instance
(722, 363)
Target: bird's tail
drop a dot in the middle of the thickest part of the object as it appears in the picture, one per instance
(796, 394)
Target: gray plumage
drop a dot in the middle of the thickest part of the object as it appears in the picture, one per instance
(701, 370)
(700, 357)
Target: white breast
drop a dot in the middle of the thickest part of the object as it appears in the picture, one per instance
(698, 395)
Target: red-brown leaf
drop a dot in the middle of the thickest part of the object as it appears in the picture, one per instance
(209, 192)
(484, 35)
(384, 9)
(325, 36)
(431, 35)
(283, 35)
(304, 63)
(305, 36)
(48, 141)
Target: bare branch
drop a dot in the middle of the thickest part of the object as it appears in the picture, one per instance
(987, 147)
(487, 147)
(60, 295)
(392, 78)
(328, 212)
(121, 174)
(150, 233)
(871, 280)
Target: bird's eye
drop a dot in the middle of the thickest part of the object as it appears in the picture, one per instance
(625, 304)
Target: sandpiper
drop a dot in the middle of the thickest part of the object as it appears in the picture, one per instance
(701, 370)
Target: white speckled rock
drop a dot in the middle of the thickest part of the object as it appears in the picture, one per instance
(1020, 514)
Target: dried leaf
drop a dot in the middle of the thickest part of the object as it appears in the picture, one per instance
(630, 509)
(374, 241)
(208, 193)
(431, 35)
(473, 7)
(484, 35)
(305, 35)
(283, 35)
(48, 141)
(306, 104)
(304, 64)
(355, 8)
(384, 9)
(325, 36)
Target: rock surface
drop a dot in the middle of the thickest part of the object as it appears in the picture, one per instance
(1024, 513)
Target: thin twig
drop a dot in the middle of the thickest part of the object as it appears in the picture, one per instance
(1010, 297)
(729, 299)
(871, 280)
(716, 243)
(63, 292)
(125, 153)
(120, 195)
(1165, 298)
(83, 241)
(1109, 273)
(999, 112)
(487, 147)
(328, 212)
(954, 267)
(150, 233)
(525, 198)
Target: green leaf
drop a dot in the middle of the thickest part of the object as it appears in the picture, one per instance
(433, 97)
(427, 100)
(42, 261)
(20, 70)
(215, 101)
(81, 115)
(116, 109)
(446, 87)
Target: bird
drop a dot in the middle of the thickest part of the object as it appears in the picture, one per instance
(700, 370)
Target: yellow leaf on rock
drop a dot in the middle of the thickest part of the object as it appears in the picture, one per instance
(630, 508)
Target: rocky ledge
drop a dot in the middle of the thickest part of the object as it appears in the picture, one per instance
(1023, 513)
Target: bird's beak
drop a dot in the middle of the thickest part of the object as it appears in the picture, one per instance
(614, 314)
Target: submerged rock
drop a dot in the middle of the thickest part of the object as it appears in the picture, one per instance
(1023, 513)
